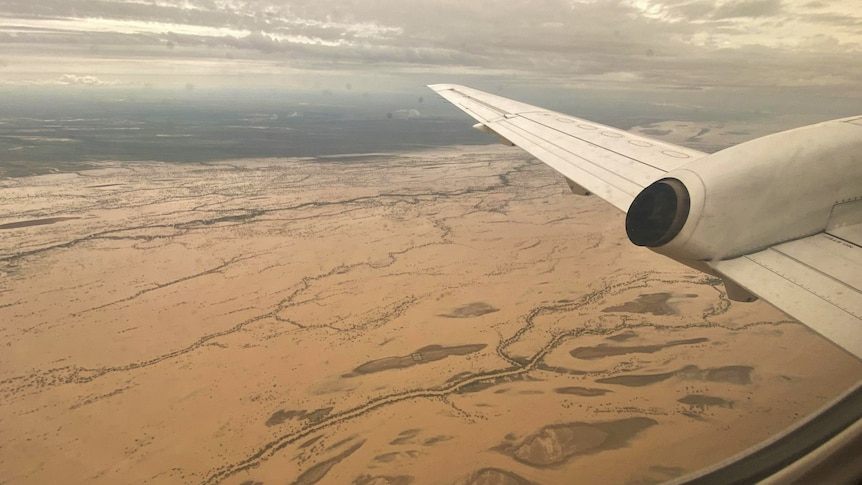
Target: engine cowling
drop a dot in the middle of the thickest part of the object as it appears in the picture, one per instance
(658, 213)
(751, 196)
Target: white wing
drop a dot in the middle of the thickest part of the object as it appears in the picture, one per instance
(613, 164)
(817, 279)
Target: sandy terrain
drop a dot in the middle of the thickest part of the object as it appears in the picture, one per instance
(449, 316)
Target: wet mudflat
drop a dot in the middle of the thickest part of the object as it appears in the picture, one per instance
(36, 222)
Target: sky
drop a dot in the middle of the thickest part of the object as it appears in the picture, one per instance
(717, 53)
(374, 44)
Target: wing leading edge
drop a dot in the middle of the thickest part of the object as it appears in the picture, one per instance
(610, 163)
(816, 280)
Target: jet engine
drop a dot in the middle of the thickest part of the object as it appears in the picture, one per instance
(753, 195)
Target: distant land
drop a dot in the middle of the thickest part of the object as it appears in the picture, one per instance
(49, 130)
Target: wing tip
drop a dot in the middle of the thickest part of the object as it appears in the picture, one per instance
(442, 87)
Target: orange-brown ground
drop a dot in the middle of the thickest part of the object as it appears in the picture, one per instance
(450, 316)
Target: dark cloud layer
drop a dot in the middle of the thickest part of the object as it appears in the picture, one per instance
(682, 43)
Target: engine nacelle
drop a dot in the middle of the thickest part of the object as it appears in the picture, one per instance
(754, 195)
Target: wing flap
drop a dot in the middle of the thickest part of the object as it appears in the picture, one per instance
(816, 280)
(613, 164)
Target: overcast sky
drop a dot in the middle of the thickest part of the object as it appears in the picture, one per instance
(371, 45)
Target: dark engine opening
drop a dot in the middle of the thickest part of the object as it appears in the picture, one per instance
(658, 213)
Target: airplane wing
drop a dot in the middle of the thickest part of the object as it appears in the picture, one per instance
(611, 163)
(816, 279)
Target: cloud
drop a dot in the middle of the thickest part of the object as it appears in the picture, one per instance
(748, 8)
(626, 42)
(63, 80)
(404, 114)
(81, 80)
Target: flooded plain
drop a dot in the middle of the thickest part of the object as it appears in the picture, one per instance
(449, 316)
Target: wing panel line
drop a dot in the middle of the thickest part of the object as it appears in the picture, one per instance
(607, 171)
(835, 323)
(571, 170)
(576, 137)
(534, 144)
(765, 264)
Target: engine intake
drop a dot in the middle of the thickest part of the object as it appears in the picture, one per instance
(658, 213)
